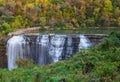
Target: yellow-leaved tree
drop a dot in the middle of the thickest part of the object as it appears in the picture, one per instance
(106, 12)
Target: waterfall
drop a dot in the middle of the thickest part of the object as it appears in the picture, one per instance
(69, 46)
(45, 49)
(57, 47)
(42, 54)
(84, 42)
(17, 47)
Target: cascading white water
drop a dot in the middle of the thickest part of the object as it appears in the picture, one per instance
(57, 47)
(84, 42)
(69, 46)
(42, 54)
(45, 50)
(17, 47)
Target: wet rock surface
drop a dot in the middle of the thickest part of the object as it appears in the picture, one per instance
(3, 57)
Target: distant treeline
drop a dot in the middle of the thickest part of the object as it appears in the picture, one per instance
(16, 14)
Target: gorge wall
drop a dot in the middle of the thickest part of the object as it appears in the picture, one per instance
(3, 57)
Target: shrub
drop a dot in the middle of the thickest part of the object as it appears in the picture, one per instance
(43, 21)
(112, 41)
(5, 28)
(59, 25)
(24, 63)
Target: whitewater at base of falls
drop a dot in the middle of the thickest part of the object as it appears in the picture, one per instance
(45, 49)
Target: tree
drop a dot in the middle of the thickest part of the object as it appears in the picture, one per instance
(106, 13)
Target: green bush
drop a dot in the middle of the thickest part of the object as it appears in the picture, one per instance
(5, 28)
(24, 63)
(112, 41)
(57, 1)
(59, 25)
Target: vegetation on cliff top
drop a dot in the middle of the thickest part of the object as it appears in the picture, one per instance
(17, 14)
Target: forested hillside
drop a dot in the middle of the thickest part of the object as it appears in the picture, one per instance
(16, 14)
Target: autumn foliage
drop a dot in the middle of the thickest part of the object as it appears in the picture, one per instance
(16, 14)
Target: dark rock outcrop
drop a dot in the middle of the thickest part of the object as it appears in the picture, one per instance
(3, 57)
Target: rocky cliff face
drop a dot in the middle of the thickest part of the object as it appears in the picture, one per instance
(3, 57)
